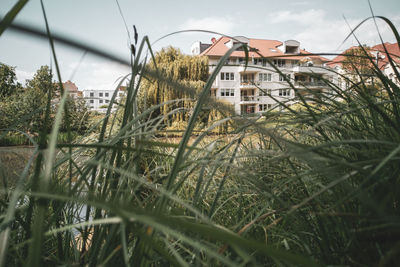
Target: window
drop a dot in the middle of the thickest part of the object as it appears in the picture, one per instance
(265, 77)
(107, 101)
(264, 92)
(263, 107)
(106, 94)
(279, 62)
(259, 61)
(284, 92)
(247, 78)
(264, 62)
(282, 77)
(100, 101)
(91, 101)
(227, 92)
(100, 94)
(227, 76)
(91, 94)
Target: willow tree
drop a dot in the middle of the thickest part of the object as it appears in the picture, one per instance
(175, 76)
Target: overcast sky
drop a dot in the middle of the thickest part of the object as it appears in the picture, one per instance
(319, 26)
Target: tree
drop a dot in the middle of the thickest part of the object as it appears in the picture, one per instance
(77, 113)
(177, 71)
(43, 80)
(25, 110)
(8, 81)
(35, 99)
(358, 61)
(358, 64)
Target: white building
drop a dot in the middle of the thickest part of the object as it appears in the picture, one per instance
(383, 59)
(98, 100)
(250, 88)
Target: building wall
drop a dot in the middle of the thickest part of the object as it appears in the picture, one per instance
(97, 100)
(266, 82)
(389, 72)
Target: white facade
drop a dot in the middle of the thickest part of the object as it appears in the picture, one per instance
(98, 100)
(259, 87)
(390, 73)
(250, 89)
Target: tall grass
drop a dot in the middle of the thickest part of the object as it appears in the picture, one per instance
(316, 185)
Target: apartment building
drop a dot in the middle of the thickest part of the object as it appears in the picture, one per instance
(252, 88)
(98, 100)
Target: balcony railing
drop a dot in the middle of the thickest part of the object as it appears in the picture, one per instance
(246, 98)
(309, 84)
(249, 83)
(316, 68)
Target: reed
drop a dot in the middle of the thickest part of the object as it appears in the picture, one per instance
(313, 185)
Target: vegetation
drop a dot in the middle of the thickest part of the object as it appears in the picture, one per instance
(358, 60)
(189, 74)
(315, 185)
(22, 109)
(8, 81)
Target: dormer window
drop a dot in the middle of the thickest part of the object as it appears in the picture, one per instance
(292, 47)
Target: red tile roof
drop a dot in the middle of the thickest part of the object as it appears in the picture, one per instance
(393, 50)
(264, 48)
(337, 61)
(70, 86)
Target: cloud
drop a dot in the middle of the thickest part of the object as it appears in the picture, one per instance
(90, 74)
(302, 3)
(97, 75)
(307, 17)
(22, 76)
(224, 25)
(317, 33)
(328, 36)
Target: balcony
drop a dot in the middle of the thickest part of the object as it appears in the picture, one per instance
(310, 84)
(249, 98)
(249, 84)
(248, 69)
(312, 69)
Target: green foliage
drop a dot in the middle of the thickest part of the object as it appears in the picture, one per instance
(358, 61)
(42, 81)
(24, 110)
(78, 115)
(186, 72)
(8, 81)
